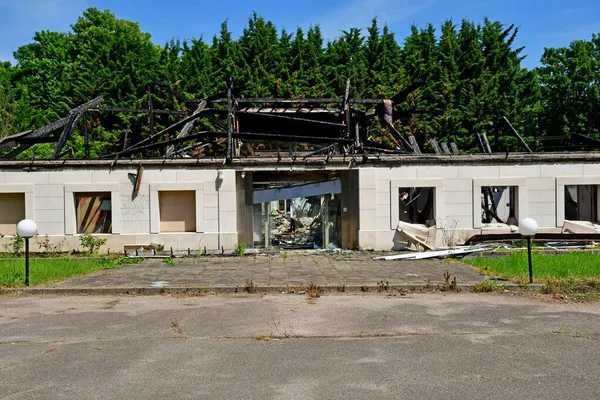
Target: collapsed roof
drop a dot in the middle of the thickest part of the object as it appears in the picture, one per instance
(249, 127)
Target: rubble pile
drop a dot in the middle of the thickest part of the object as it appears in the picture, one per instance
(286, 231)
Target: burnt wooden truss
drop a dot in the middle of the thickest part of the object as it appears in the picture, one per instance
(240, 127)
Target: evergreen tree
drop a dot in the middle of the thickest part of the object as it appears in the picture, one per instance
(570, 87)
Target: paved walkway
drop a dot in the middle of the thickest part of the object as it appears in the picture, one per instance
(350, 270)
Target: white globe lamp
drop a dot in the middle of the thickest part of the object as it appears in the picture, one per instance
(27, 229)
(528, 227)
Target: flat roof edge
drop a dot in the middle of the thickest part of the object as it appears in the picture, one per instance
(332, 162)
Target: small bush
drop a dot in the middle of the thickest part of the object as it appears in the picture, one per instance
(46, 245)
(240, 249)
(486, 286)
(15, 246)
(170, 261)
(90, 243)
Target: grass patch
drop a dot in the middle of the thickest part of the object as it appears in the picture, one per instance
(47, 270)
(577, 288)
(565, 266)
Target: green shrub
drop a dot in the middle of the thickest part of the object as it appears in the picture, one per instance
(90, 243)
(170, 261)
(240, 249)
(15, 246)
(486, 286)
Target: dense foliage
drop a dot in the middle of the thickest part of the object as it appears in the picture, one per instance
(472, 74)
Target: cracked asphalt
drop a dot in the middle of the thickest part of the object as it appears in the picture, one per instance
(424, 345)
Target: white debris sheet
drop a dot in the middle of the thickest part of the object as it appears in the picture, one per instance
(462, 250)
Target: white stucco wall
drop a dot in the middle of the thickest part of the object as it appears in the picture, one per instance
(458, 188)
(49, 201)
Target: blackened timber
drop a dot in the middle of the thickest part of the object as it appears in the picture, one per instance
(189, 148)
(17, 151)
(323, 150)
(454, 148)
(414, 144)
(282, 137)
(445, 148)
(486, 143)
(187, 128)
(48, 129)
(86, 136)
(346, 108)
(589, 141)
(435, 146)
(151, 111)
(516, 134)
(480, 143)
(311, 121)
(274, 100)
(152, 146)
(383, 150)
(137, 110)
(70, 125)
(125, 140)
(168, 129)
(230, 122)
(406, 143)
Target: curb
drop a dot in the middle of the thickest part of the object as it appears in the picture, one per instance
(196, 290)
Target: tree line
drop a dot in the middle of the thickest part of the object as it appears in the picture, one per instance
(472, 74)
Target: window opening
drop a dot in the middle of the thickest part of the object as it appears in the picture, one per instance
(581, 203)
(93, 211)
(499, 205)
(177, 210)
(12, 210)
(416, 204)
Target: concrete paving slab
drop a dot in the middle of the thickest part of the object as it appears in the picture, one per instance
(276, 272)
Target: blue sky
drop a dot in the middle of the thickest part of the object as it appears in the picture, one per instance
(549, 23)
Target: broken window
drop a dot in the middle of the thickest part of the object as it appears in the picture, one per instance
(177, 210)
(93, 211)
(581, 203)
(416, 204)
(12, 210)
(499, 204)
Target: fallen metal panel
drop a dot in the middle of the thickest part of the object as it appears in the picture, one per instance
(540, 237)
(432, 254)
(292, 192)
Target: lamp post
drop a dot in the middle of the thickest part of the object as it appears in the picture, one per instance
(26, 229)
(528, 227)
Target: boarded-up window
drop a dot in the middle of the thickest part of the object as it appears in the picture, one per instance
(12, 210)
(416, 204)
(581, 203)
(93, 211)
(177, 210)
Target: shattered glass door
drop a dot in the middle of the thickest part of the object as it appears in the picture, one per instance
(304, 222)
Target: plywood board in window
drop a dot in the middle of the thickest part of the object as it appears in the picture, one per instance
(12, 210)
(177, 210)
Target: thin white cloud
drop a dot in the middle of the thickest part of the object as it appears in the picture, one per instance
(359, 14)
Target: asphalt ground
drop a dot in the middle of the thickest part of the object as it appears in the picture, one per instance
(275, 273)
(363, 346)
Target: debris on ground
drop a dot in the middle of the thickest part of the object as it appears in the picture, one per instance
(454, 251)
